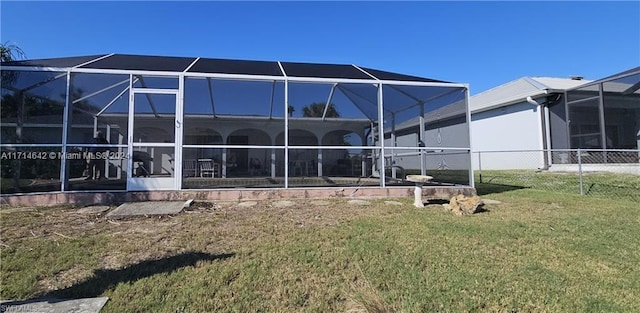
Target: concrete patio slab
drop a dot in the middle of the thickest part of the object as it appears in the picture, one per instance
(94, 209)
(86, 305)
(148, 208)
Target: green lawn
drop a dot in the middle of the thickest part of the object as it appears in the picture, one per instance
(595, 184)
(537, 251)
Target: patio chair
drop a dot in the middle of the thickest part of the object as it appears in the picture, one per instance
(207, 168)
(190, 168)
(143, 161)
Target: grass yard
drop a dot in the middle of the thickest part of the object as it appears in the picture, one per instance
(537, 251)
(595, 184)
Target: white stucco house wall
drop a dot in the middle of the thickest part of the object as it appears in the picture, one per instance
(516, 117)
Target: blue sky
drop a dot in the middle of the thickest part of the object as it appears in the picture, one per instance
(484, 44)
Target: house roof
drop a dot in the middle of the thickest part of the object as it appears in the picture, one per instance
(518, 91)
(219, 66)
(629, 72)
(624, 82)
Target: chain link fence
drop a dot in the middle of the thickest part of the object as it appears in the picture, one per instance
(600, 173)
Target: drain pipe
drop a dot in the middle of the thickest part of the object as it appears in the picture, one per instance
(542, 123)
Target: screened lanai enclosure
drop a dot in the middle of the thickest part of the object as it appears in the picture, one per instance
(603, 117)
(179, 123)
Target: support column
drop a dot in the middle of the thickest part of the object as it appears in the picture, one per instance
(224, 162)
(107, 161)
(320, 163)
(383, 182)
(66, 125)
(393, 144)
(273, 163)
(423, 157)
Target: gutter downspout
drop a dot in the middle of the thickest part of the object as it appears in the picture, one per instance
(547, 130)
(543, 130)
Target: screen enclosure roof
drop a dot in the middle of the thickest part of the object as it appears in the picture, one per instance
(128, 62)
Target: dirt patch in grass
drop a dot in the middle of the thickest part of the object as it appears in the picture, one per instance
(532, 252)
(214, 227)
(64, 279)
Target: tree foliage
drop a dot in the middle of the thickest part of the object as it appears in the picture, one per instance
(10, 52)
(316, 109)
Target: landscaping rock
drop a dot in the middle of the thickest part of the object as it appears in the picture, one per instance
(247, 204)
(358, 202)
(283, 204)
(396, 203)
(463, 205)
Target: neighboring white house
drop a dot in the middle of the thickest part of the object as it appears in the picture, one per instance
(516, 117)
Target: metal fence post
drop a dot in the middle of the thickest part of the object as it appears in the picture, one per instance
(480, 165)
(580, 171)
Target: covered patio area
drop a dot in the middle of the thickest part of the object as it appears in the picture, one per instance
(179, 123)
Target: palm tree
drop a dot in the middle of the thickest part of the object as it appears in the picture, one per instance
(10, 52)
(316, 109)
